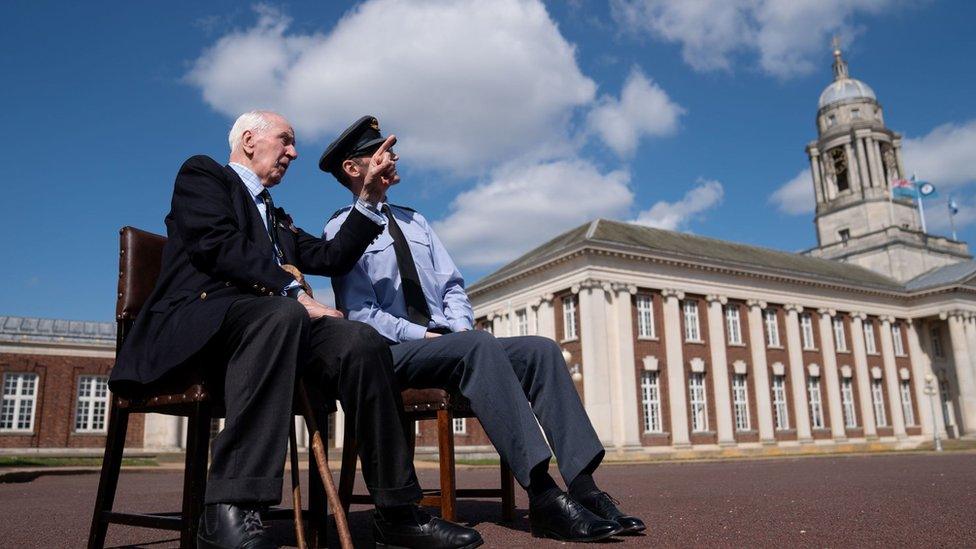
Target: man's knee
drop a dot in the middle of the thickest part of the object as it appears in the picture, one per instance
(363, 343)
(285, 312)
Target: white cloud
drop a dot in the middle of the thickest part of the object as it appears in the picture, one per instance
(787, 35)
(643, 109)
(465, 84)
(677, 215)
(944, 156)
(795, 197)
(522, 206)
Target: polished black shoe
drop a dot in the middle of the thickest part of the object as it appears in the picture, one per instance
(565, 519)
(602, 504)
(227, 526)
(423, 531)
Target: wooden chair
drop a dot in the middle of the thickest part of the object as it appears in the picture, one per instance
(140, 259)
(428, 404)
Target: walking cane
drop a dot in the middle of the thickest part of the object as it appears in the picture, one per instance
(296, 491)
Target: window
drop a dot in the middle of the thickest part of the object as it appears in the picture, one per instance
(869, 343)
(732, 324)
(806, 330)
(840, 339)
(460, 426)
(831, 120)
(906, 402)
(896, 339)
(847, 402)
(816, 403)
(844, 234)
(651, 398)
(92, 406)
(740, 402)
(877, 398)
(696, 390)
(569, 317)
(781, 416)
(522, 322)
(936, 335)
(645, 316)
(692, 331)
(772, 328)
(855, 114)
(17, 410)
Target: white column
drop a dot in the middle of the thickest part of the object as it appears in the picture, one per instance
(962, 361)
(623, 377)
(831, 376)
(162, 432)
(853, 168)
(798, 377)
(760, 374)
(340, 426)
(547, 317)
(891, 377)
(720, 370)
(594, 337)
(862, 375)
(970, 329)
(922, 366)
(862, 164)
(872, 161)
(818, 189)
(676, 368)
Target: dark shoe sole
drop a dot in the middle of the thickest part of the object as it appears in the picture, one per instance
(478, 543)
(632, 531)
(540, 533)
(204, 544)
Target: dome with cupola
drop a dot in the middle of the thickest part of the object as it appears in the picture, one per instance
(844, 88)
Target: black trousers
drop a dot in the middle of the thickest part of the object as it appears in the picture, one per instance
(515, 384)
(267, 342)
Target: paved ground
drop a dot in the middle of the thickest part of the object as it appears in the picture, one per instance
(889, 500)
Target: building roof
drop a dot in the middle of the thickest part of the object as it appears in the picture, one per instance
(641, 239)
(48, 330)
(956, 273)
(844, 89)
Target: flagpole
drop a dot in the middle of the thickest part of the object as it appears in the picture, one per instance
(952, 218)
(921, 208)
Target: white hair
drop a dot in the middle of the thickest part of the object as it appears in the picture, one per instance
(254, 121)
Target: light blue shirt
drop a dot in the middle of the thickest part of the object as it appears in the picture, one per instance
(372, 291)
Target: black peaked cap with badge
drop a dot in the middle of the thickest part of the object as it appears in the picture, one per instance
(362, 138)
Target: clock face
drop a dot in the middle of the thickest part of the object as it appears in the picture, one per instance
(926, 189)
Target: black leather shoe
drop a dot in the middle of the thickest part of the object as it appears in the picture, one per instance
(602, 504)
(227, 526)
(565, 519)
(423, 531)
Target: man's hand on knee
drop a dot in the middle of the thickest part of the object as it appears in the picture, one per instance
(317, 310)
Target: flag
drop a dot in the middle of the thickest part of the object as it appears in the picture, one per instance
(926, 189)
(953, 207)
(903, 187)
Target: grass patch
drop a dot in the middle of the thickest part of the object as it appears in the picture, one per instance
(37, 461)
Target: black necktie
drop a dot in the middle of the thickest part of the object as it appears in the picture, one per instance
(269, 216)
(413, 293)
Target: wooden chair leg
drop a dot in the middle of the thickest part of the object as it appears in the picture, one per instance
(347, 469)
(195, 473)
(445, 446)
(108, 480)
(296, 490)
(508, 493)
(317, 524)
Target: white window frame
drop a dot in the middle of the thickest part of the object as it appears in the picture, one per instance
(733, 324)
(698, 402)
(935, 335)
(815, 399)
(460, 426)
(740, 402)
(781, 412)
(569, 318)
(645, 317)
(91, 404)
(692, 328)
(840, 338)
(522, 322)
(870, 346)
(899, 344)
(877, 399)
(771, 322)
(651, 402)
(907, 410)
(806, 330)
(17, 400)
(847, 402)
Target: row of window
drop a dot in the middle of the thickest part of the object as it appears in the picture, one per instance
(697, 403)
(19, 403)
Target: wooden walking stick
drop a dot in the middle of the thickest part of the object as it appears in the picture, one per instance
(321, 459)
(296, 491)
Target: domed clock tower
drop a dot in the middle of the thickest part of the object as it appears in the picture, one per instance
(853, 162)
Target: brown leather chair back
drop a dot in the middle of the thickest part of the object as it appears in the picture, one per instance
(140, 259)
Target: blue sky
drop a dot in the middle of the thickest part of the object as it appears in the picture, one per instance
(518, 119)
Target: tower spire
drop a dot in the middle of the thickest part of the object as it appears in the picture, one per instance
(840, 66)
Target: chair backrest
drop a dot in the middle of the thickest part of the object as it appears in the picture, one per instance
(140, 260)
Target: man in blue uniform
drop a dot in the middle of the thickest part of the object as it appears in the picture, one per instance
(408, 288)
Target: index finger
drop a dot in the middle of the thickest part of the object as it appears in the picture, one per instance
(390, 141)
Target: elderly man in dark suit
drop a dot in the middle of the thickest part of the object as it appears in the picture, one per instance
(231, 293)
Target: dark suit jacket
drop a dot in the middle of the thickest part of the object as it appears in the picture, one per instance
(218, 251)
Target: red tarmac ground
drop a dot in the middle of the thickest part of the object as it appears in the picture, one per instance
(888, 500)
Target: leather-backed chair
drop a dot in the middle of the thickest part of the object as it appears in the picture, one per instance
(424, 405)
